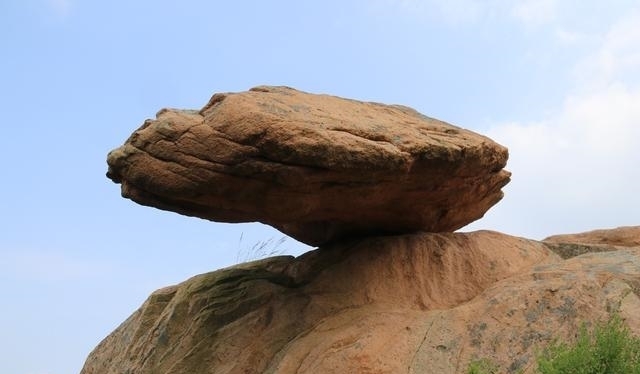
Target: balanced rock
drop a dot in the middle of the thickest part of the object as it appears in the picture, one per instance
(416, 303)
(317, 167)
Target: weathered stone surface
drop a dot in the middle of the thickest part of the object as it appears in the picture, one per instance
(317, 167)
(626, 236)
(571, 245)
(422, 303)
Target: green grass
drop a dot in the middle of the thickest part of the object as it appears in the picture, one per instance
(482, 366)
(608, 349)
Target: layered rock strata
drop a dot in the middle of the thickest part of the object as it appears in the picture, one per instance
(319, 168)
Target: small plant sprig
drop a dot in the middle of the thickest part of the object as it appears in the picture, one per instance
(482, 366)
(259, 250)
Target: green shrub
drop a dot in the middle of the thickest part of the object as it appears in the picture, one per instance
(608, 349)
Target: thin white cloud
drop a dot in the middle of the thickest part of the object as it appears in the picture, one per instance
(61, 8)
(448, 11)
(579, 166)
(569, 37)
(527, 12)
(459, 10)
(618, 58)
(534, 13)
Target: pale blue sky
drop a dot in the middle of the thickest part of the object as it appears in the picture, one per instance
(557, 81)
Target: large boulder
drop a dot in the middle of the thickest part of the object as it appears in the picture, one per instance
(317, 167)
(421, 303)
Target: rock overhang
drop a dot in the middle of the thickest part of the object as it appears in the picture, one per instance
(317, 167)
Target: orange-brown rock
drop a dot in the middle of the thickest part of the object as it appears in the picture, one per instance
(570, 245)
(421, 303)
(626, 236)
(317, 167)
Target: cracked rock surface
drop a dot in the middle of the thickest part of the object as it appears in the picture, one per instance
(319, 168)
(415, 303)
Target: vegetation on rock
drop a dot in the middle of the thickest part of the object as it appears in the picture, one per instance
(608, 349)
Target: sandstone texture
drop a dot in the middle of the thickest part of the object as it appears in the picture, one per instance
(319, 168)
(626, 236)
(570, 245)
(415, 303)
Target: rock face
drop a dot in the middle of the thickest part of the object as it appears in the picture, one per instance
(351, 176)
(626, 236)
(420, 303)
(317, 167)
(570, 245)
